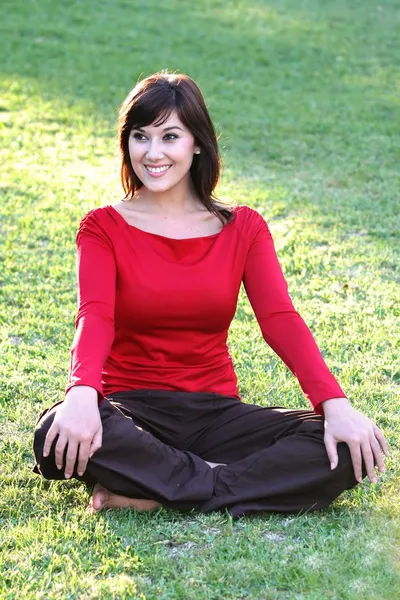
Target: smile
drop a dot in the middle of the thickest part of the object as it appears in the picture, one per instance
(157, 170)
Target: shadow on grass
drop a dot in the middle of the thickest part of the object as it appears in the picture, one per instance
(280, 63)
(303, 93)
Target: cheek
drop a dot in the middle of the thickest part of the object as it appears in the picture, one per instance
(185, 152)
(135, 152)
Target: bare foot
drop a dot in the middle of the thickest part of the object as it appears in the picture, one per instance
(103, 498)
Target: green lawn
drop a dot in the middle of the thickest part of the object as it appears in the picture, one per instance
(306, 97)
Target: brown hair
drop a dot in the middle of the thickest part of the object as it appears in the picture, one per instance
(152, 101)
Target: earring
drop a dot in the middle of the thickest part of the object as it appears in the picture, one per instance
(197, 151)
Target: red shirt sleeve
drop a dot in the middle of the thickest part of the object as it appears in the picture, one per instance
(96, 301)
(282, 327)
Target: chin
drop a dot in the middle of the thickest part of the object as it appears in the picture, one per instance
(160, 185)
(164, 187)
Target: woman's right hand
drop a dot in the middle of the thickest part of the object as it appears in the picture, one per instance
(77, 423)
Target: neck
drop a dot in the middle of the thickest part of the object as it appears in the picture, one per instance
(177, 200)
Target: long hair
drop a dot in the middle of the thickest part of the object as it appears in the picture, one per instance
(152, 101)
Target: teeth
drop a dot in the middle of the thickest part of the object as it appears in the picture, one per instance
(157, 169)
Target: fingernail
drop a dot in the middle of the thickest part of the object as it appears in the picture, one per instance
(67, 475)
(80, 473)
(59, 466)
(332, 466)
(383, 470)
(359, 479)
(45, 454)
(373, 480)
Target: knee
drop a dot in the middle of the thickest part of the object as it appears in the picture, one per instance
(42, 427)
(345, 464)
(45, 465)
(312, 428)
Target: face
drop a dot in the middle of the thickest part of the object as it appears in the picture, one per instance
(161, 156)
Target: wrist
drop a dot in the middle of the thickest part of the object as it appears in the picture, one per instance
(334, 404)
(82, 394)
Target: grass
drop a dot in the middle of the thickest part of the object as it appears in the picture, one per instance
(305, 96)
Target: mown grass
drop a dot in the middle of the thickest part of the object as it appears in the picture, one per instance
(305, 96)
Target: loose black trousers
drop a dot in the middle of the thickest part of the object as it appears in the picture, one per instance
(155, 444)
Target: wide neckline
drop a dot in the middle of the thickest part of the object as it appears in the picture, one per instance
(164, 237)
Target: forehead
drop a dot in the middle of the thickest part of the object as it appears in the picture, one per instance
(171, 121)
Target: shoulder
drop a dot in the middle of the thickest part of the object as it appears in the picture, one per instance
(249, 221)
(102, 222)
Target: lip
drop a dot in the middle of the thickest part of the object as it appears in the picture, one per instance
(157, 167)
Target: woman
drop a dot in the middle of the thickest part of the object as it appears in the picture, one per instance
(152, 415)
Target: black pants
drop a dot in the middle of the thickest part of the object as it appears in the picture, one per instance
(276, 458)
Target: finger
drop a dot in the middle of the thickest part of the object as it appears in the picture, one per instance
(96, 442)
(355, 452)
(50, 437)
(368, 460)
(331, 449)
(376, 450)
(381, 439)
(71, 458)
(83, 457)
(59, 450)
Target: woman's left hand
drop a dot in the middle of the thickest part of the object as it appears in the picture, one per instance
(343, 423)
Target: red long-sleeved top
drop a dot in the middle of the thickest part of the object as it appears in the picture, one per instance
(154, 312)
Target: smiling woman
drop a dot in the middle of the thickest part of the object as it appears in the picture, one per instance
(152, 413)
(156, 107)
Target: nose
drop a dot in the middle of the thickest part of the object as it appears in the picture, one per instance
(154, 151)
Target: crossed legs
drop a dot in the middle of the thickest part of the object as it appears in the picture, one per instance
(276, 458)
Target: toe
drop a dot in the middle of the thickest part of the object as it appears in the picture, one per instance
(99, 497)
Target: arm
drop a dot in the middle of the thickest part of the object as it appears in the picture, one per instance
(281, 325)
(285, 331)
(96, 304)
(77, 422)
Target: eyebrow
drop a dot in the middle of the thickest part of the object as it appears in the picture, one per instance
(166, 129)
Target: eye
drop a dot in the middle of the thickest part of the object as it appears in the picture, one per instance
(138, 136)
